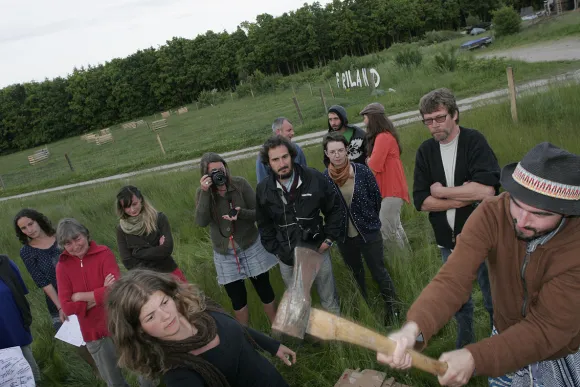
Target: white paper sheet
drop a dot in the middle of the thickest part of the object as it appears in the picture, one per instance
(14, 369)
(70, 332)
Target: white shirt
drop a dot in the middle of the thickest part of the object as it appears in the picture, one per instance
(449, 158)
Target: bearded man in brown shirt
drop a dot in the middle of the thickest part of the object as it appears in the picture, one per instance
(531, 238)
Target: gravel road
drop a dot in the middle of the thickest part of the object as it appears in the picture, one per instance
(564, 49)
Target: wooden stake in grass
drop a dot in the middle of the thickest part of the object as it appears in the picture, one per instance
(2, 186)
(298, 109)
(252, 91)
(69, 162)
(512, 93)
(323, 101)
(331, 92)
(160, 143)
(371, 78)
(310, 86)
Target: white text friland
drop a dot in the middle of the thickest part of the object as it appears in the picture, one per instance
(348, 79)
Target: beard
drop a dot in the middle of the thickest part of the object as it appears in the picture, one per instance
(337, 128)
(535, 233)
(286, 175)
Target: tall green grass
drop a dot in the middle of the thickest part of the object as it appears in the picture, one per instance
(552, 116)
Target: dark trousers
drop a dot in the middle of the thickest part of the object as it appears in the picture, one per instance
(464, 317)
(352, 251)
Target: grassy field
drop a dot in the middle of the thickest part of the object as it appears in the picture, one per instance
(542, 29)
(238, 123)
(551, 116)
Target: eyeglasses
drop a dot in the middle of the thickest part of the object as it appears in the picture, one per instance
(338, 152)
(438, 119)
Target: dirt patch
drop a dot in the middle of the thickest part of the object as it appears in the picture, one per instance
(565, 49)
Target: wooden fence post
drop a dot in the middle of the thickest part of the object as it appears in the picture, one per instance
(69, 162)
(323, 101)
(331, 92)
(512, 93)
(252, 91)
(310, 86)
(298, 109)
(371, 78)
(160, 143)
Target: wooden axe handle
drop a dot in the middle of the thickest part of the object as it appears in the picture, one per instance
(330, 327)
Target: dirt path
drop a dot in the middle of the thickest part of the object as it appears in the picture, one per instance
(565, 49)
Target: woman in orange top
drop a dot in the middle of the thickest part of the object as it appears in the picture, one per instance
(384, 149)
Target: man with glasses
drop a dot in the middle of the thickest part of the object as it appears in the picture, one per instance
(454, 171)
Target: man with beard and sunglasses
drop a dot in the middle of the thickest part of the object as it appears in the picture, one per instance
(289, 203)
(530, 236)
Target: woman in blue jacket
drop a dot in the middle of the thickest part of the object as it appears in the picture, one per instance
(361, 201)
(15, 315)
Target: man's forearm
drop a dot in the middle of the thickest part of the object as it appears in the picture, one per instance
(432, 204)
(467, 192)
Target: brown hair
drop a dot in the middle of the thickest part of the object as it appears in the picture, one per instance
(274, 142)
(436, 99)
(136, 349)
(333, 137)
(380, 123)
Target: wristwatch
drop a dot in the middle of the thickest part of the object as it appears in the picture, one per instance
(328, 242)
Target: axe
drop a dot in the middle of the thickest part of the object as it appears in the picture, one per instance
(295, 317)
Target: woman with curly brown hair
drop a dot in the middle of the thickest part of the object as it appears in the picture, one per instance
(162, 327)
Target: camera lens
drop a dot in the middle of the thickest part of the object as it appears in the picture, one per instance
(218, 177)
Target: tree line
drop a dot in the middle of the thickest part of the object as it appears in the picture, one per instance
(174, 74)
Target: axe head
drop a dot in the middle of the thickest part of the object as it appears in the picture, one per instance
(294, 308)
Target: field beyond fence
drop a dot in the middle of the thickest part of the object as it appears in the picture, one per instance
(552, 116)
(236, 122)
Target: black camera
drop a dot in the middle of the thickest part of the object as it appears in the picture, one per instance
(218, 177)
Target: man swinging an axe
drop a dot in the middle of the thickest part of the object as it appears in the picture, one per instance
(531, 238)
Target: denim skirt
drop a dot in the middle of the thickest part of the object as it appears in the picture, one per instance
(250, 262)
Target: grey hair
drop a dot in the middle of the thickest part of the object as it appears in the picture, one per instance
(433, 100)
(68, 229)
(278, 122)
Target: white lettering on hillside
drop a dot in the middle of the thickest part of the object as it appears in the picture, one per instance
(347, 80)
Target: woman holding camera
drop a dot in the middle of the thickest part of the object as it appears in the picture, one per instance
(228, 205)
(143, 235)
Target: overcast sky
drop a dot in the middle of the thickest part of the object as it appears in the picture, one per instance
(43, 39)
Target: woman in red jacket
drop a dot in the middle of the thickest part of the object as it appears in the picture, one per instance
(84, 271)
(384, 149)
